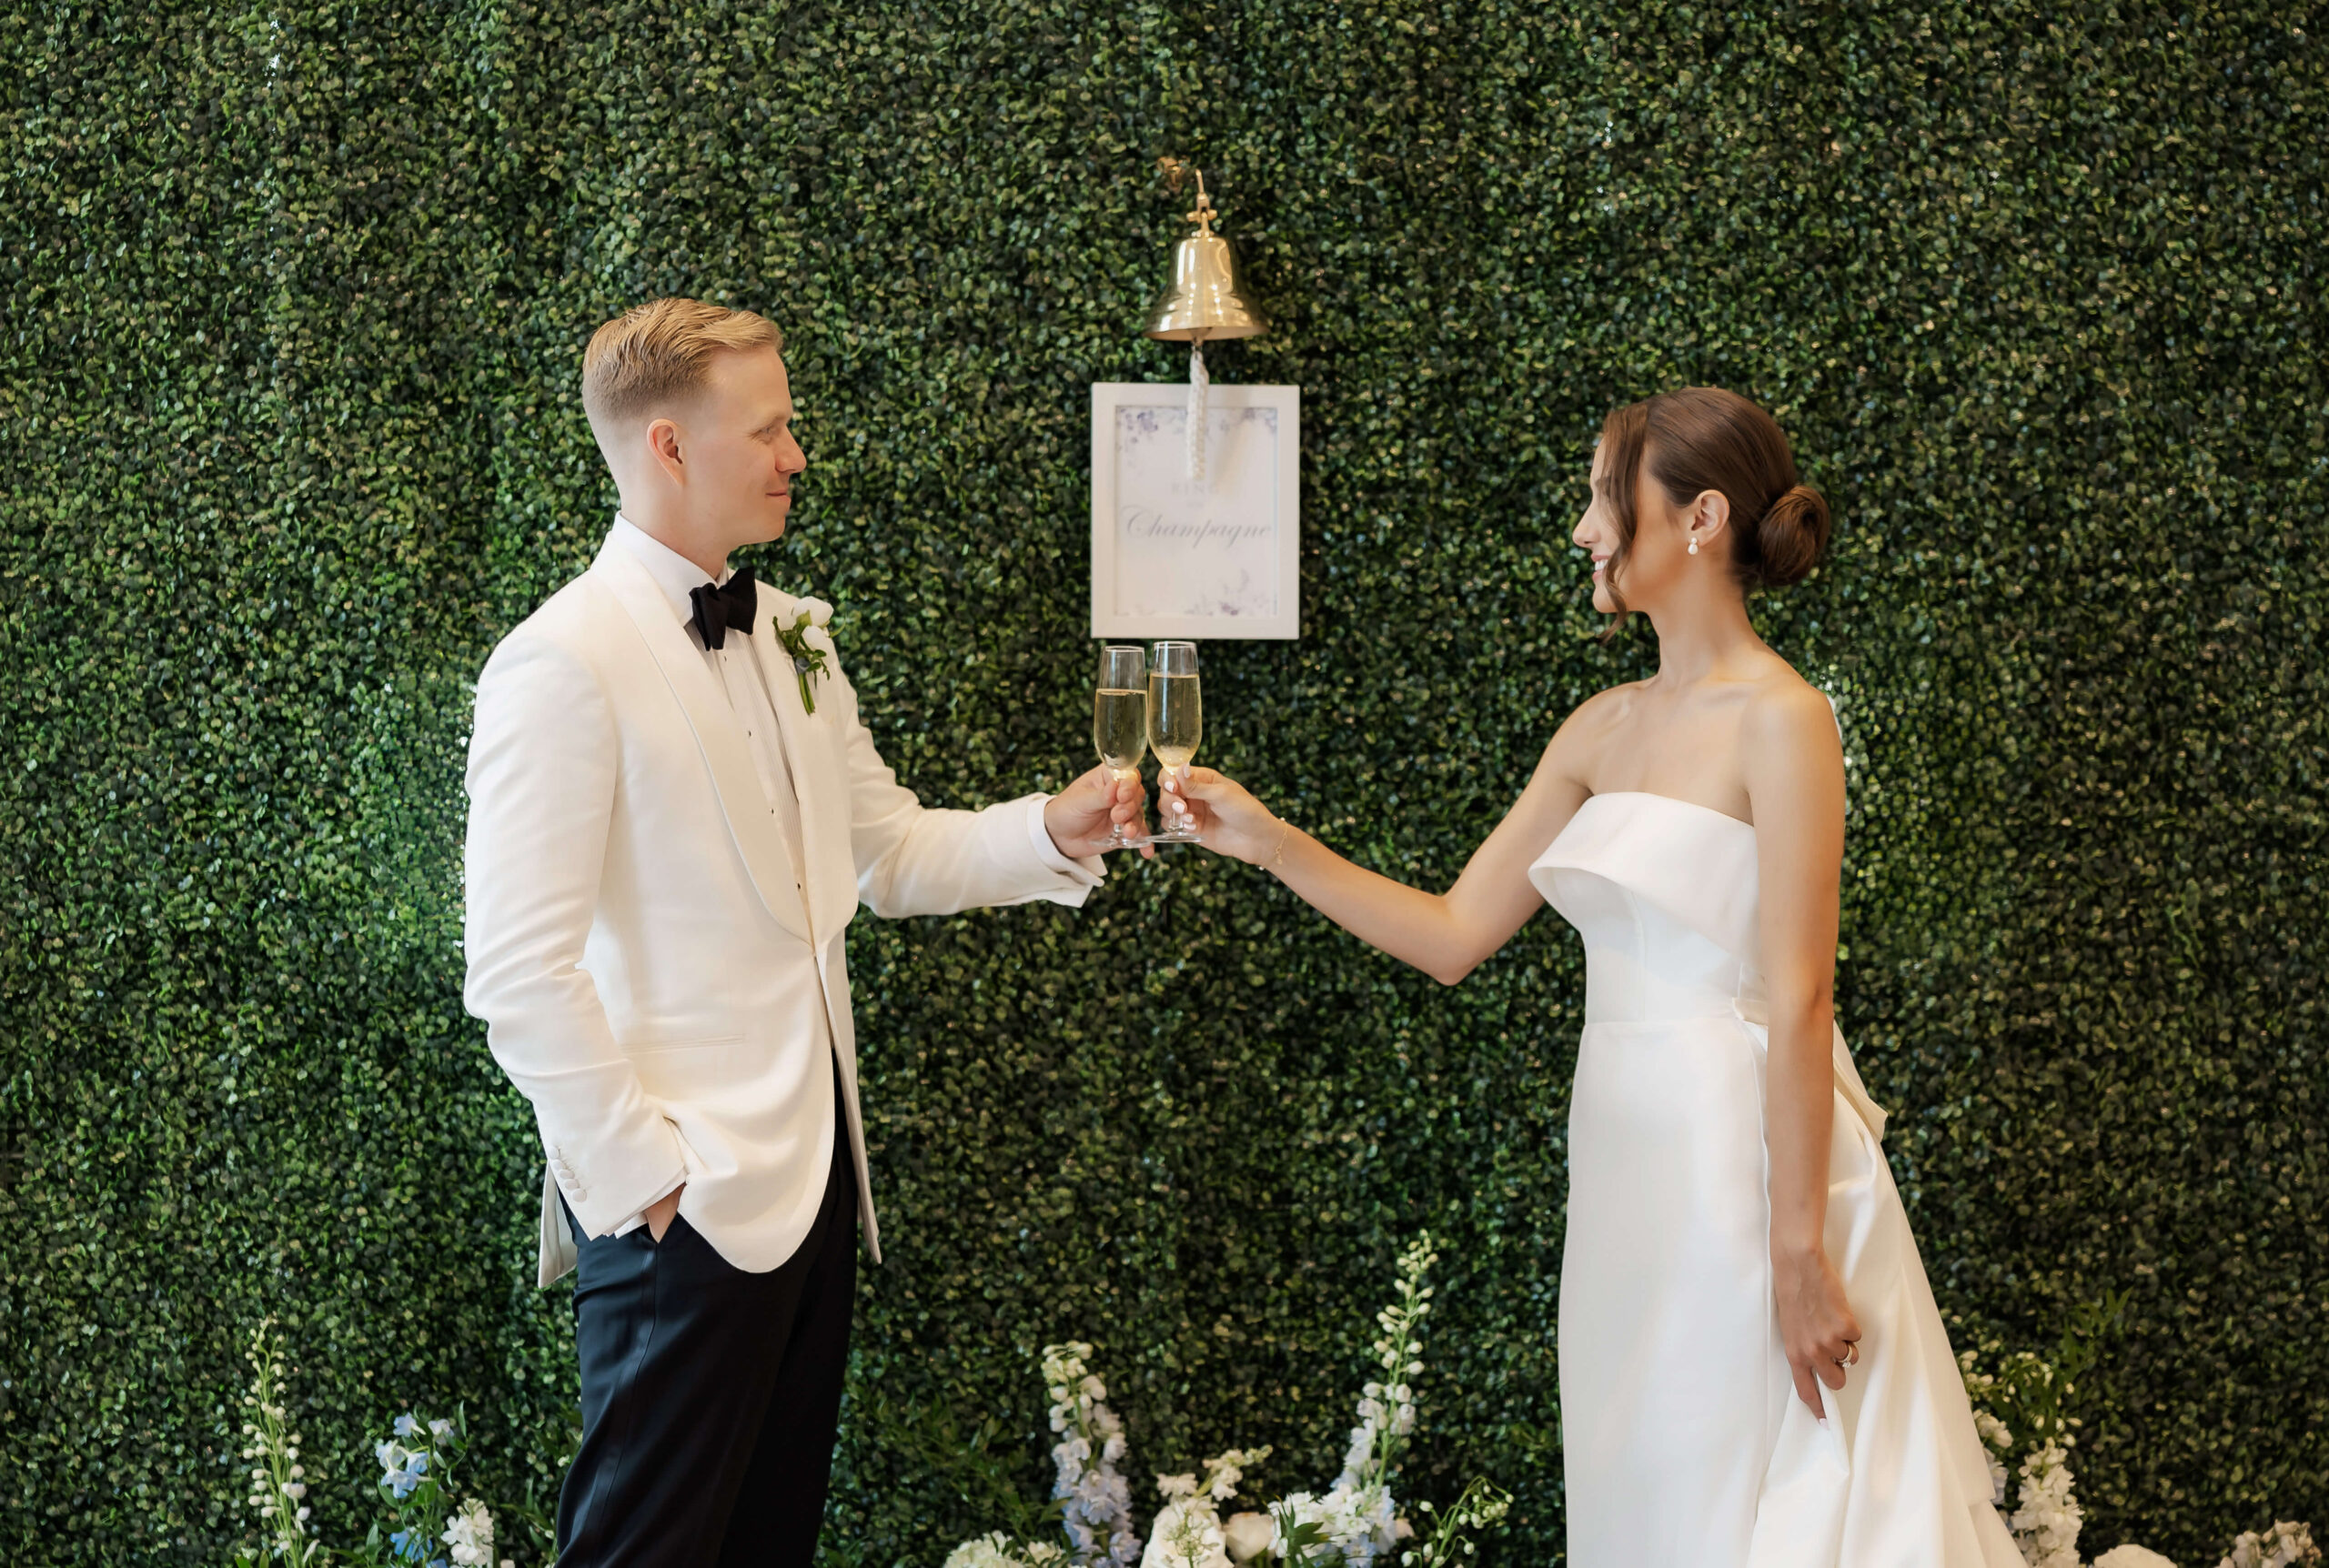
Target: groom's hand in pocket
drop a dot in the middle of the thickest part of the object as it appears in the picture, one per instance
(662, 1212)
(1081, 817)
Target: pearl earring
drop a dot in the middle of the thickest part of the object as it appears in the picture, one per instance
(1694, 547)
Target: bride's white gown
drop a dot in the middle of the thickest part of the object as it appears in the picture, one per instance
(1685, 1443)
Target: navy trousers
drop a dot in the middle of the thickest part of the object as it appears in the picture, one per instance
(711, 1396)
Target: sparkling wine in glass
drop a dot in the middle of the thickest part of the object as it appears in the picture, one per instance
(1175, 718)
(1120, 722)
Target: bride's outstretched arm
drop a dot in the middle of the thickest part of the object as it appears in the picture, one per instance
(1446, 935)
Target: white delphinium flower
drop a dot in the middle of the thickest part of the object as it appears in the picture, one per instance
(1482, 1504)
(2046, 1524)
(1997, 1445)
(1225, 1470)
(1358, 1515)
(1301, 1508)
(1361, 1522)
(468, 1535)
(1098, 1517)
(1386, 1406)
(276, 1477)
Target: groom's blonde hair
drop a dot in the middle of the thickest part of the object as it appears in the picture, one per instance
(660, 353)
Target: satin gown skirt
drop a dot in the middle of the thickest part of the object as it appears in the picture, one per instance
(1684, 1443)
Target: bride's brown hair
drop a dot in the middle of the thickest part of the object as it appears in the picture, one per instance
(1701, 438)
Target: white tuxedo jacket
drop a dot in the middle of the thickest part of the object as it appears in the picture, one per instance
(651, 974)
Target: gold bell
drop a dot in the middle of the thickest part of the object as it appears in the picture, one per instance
(1205, 302)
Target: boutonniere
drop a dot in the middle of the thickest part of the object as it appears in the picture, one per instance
(807, 660)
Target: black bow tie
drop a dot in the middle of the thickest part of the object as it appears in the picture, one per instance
(726, 609)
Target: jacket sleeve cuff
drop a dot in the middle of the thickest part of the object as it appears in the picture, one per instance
(617, 1180)
(1088, 871)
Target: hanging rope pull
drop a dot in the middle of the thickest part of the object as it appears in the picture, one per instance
(1200, 420)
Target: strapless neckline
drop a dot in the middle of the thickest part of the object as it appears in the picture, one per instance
(1652, 795)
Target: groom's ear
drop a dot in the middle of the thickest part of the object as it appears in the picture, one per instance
(660, 441)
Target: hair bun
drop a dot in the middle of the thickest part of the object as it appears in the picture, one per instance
(1791, 536)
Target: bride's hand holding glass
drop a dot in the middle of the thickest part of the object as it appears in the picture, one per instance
(1224, 814)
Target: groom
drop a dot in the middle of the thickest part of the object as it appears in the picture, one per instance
(674, 810)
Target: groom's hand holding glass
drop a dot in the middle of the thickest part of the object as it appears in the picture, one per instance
(1086, 817)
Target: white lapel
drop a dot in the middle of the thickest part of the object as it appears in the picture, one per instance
(718, 735)
(812, 744)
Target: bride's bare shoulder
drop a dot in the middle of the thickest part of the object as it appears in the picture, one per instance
(1606, 710)
(1785, 713)
(1579, 737)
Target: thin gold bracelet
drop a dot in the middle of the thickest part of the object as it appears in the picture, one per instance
(1283, 828)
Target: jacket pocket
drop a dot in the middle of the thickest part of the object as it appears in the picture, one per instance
(679, 1032)
(694, 1070)
(693, 1042)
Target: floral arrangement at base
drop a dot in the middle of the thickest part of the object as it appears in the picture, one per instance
(2025, 1396)
(428, 1530)
(1354, 1523)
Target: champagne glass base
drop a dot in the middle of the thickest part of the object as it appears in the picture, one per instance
(1176, 836)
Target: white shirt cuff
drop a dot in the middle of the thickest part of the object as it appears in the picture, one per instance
(1088, 871)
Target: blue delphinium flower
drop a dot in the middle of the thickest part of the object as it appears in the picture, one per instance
(412, 1546)
(403, 1479)
(407, 1426)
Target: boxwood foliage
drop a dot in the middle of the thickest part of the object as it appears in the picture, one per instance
(296, 294)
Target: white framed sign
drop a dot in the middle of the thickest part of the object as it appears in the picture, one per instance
(1211, 557)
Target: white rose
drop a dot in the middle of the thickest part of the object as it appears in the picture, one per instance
(1248, 1535)
(2131, 1557)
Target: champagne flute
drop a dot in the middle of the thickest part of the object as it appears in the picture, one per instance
(1119, 723)
(1175, 719)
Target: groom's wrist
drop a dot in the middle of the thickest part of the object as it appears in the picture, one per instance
(1047, 849)
(1051, 827)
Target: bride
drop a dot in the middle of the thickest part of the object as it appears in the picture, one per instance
(1753, 1373)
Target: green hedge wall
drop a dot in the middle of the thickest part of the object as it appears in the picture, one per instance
(295, 300)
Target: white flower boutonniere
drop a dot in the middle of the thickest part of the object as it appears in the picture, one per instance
(807, 659)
